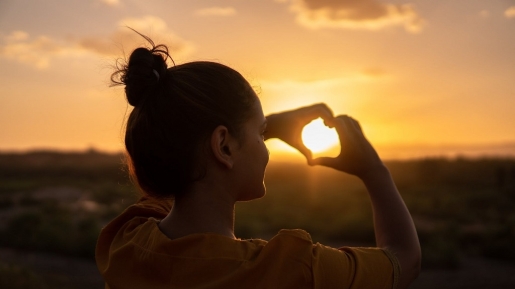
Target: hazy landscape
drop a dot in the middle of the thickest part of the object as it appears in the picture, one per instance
(52, 206)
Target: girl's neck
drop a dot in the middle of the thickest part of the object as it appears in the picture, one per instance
(200, 212)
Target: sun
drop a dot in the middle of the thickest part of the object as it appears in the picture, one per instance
(318, 137)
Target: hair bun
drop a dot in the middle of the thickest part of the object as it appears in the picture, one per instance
(144, 70)
(142, 74)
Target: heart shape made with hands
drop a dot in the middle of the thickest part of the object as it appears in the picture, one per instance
(320, 139)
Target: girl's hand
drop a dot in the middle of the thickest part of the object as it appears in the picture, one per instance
(287, 126)
(357, 156)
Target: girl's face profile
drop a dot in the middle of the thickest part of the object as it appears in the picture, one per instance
(252, 156)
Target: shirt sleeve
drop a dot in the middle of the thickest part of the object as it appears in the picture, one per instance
(143, 209)
(354, 267)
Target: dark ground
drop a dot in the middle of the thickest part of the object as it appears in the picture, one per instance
(65, 272)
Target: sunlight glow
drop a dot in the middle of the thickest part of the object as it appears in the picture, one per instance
(318, 137)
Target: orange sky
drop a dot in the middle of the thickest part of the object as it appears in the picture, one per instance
(423, 76)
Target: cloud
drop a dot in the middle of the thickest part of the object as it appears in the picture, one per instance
(355, 14)
(484, 14)
(39, 51)
(510, 12)
(154, 27)
(111, 2)
(216, 11)
(35, 51)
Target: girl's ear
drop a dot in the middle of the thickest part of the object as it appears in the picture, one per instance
(222, 146)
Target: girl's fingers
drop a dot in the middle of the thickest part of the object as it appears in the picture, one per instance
(356, 125)
(305, 151)
(324, 161)
(318, 110)
(344, 127)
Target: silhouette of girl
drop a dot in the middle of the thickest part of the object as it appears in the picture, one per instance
(197, 136)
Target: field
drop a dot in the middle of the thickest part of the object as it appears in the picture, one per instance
(52, 206)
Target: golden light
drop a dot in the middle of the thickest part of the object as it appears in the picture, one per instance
(319, 138)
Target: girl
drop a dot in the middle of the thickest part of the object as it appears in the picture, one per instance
(196, 136)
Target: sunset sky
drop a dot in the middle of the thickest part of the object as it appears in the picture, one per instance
(427, 74)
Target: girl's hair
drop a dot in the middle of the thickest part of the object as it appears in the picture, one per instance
(175, 111)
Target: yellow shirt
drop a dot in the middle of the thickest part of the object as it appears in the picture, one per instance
(133, 253)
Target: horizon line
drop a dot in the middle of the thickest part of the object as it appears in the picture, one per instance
(389, 152)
